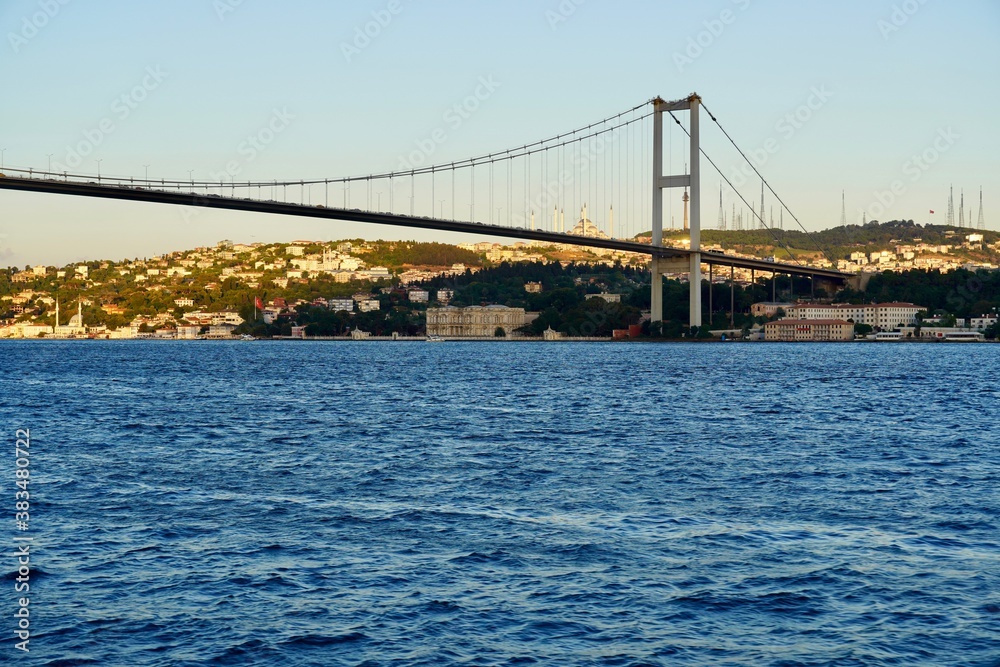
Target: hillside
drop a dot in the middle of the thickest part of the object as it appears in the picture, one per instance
(228, 276)
(838, 242)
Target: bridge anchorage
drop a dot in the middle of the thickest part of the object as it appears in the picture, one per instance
(604, 165)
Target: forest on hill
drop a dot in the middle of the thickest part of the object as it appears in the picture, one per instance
(838, 242)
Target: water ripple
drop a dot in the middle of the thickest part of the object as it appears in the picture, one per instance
(490, 504)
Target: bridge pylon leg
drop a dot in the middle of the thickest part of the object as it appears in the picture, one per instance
(656, 297)
(694, 277)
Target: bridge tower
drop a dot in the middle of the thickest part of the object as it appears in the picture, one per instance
(692, 181)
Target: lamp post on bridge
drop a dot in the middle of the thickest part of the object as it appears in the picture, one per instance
(99, 170)
(147, 172)
(50, 162)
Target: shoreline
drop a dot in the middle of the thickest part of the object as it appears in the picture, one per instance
(422, 339)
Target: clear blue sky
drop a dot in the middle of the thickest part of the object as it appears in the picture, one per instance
(899, 75)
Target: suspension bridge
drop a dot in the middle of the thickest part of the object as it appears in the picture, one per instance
(620, 166)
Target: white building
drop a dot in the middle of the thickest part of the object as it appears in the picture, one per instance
(337, 305)
(188, 331)
(221, 331)
(29, 330)
(474, 321)
(376, 273)
(809, 330)
(230, 317)
(880, 315)
(980, 323)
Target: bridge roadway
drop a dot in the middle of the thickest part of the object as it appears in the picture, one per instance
(132, 193)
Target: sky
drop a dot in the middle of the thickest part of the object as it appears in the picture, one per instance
(889, 101)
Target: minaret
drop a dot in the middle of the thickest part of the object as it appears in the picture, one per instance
(981, 224)
(951, 206)
(57, 317)
(555, 219)
(562, 220)
(79, 313)
(686, 198)
(532, 220)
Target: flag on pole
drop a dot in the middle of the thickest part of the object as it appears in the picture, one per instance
(260, 304)
(932, 212)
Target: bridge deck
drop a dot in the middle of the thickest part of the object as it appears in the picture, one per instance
(128, 193)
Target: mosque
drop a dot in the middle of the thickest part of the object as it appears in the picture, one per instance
(75, 326)
(586, 227)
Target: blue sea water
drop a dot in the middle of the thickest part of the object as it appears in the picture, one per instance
(281, 503)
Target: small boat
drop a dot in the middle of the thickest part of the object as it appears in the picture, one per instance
(435, 339)
(248, 337)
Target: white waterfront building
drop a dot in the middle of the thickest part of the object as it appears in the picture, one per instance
(878, 315)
